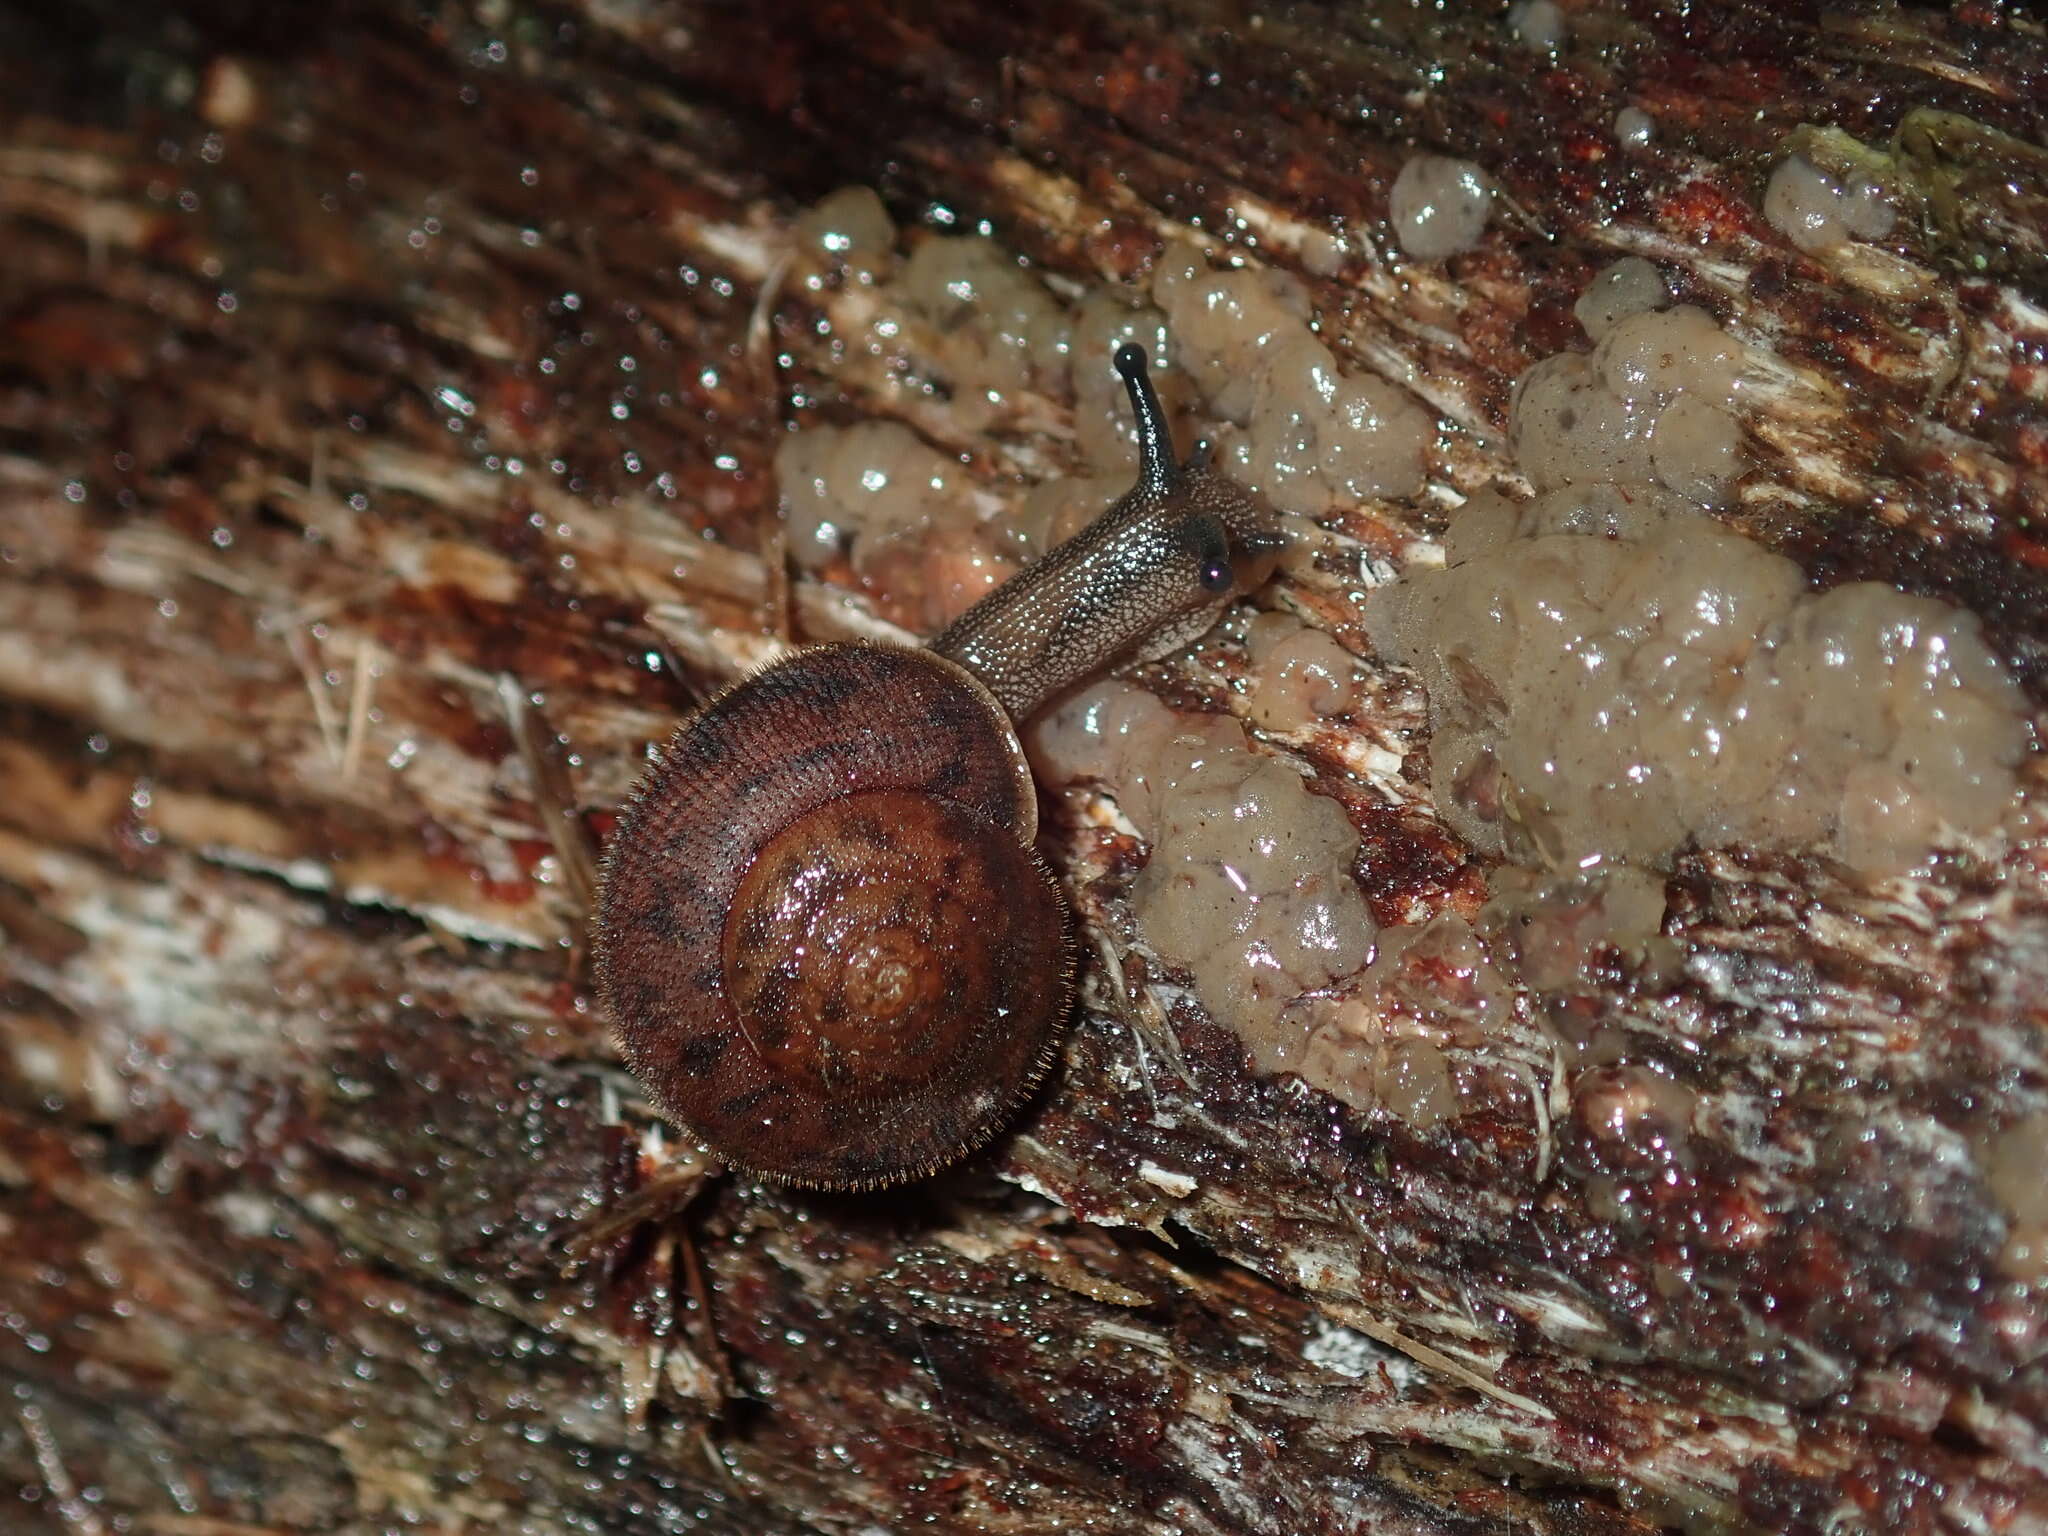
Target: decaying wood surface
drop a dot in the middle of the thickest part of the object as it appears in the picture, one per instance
(387, 402)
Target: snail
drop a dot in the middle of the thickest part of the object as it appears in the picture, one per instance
(825, 940)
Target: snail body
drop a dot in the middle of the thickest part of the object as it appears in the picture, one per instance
(825, 940)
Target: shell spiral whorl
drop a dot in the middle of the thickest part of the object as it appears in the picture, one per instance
(829, 947)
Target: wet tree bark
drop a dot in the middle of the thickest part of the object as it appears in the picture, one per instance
(387, 402)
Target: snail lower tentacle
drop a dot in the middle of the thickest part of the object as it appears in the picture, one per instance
(825, 940)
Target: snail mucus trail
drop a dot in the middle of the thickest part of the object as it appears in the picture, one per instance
(825, 940)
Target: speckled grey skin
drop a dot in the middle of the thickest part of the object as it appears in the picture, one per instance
(1142, 580)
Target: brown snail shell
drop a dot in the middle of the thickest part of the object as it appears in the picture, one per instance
(830, 948)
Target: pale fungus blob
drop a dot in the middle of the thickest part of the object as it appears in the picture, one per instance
(1634, 128)
(2013, 1160)
(993, 327)
(1439, 206)
(851, 230)
(877, 477)
(1613, 675)
(901, 511)
(1614, 695)
(1539, 24)
(1631, 286)
(1306, 434)
(1300, 676)
(1324, 252)
(1817, 210)
(1382, 1048)
(1248, 886)
(1314, 432)
(1227, 324)
(1351, 1053)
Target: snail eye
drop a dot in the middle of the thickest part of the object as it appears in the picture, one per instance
(1209, 543)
